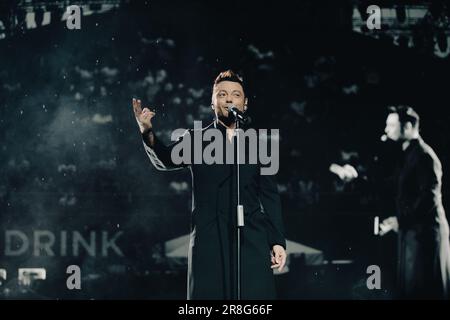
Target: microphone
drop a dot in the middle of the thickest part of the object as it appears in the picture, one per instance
(238, 114)
(383, 138)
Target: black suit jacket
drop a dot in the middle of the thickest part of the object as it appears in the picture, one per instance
(423, 247)
(212, 249)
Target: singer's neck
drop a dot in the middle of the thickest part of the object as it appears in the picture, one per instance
(230, 129)
(231, 126)
(407, 142)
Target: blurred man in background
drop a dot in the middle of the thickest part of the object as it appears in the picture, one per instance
(423, 263)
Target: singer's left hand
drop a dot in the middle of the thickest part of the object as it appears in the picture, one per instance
(278, 257)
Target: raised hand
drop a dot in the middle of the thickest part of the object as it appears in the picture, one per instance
(143, 116)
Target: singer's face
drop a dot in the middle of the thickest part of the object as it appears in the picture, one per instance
(225, 94)
(393, 127)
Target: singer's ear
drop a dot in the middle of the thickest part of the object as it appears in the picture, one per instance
(212, 106)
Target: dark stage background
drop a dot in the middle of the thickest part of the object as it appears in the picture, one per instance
(73, 165)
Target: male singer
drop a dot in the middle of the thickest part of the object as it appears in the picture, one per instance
(423, 270)
(212, 269)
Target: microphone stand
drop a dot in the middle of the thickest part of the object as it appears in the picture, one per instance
(239, 211)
